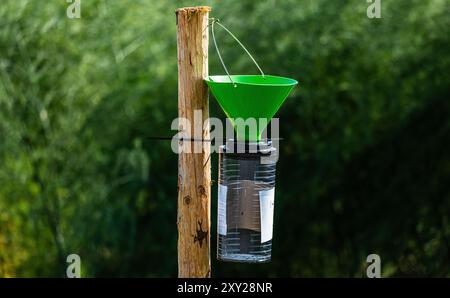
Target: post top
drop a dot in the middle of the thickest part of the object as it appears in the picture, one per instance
(193, 9)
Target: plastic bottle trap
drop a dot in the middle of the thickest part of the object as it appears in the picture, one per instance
(247, 165)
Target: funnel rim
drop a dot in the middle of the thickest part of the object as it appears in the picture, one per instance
(292, 82)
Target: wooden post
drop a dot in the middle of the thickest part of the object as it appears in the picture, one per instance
(194, 169)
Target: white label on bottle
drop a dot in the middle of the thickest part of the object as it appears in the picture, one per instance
(266, 203)
(222, 210)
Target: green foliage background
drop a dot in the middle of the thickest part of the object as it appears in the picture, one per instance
(364, 166)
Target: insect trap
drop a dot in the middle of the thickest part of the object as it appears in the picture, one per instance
(247, 165)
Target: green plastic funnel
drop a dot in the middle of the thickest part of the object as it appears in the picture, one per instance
(250, 96)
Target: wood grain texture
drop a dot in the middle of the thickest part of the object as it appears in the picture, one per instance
(194, 169)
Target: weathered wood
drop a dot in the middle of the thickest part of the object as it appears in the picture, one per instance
(194, 169)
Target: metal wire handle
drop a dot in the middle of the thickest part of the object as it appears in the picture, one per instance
(214, 21)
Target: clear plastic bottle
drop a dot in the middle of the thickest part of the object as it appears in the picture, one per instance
(246, 202)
